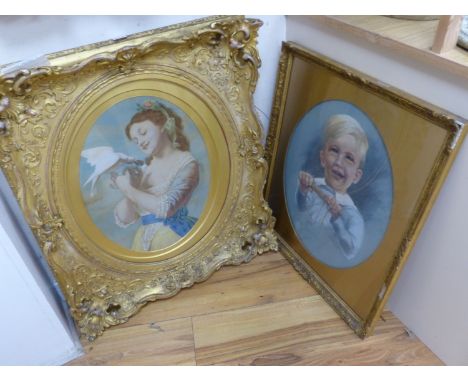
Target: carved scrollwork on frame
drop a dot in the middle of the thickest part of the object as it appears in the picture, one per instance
(200, 77)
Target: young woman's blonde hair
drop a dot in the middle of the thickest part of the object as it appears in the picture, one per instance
(343, 124)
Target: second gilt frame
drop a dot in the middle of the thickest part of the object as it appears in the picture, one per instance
(355, 166)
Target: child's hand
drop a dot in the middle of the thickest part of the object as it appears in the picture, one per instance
(333, 207)
(305, 180)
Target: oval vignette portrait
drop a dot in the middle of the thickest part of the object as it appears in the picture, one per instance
(144, 173)
(338, 184)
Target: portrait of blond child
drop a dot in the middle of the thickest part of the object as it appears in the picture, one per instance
(325, 200)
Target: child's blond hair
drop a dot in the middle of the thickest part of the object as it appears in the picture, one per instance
(342, 124)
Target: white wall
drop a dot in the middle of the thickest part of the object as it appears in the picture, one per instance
(430, 297)
(271, 36)
(31, 332)
(33, 327)
(36, 320)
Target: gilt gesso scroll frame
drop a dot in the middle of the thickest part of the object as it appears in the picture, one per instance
(163, 116)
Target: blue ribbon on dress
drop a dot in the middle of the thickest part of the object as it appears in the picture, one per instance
(180, 222)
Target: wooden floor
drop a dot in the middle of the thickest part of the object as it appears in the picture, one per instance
(261, 313)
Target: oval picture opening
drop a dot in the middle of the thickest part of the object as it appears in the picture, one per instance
(144, 173)
(338, 184)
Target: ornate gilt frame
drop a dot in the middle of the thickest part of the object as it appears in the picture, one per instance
(211, 65)
(296, 64)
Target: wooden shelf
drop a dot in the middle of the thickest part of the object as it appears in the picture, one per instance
(412, 38)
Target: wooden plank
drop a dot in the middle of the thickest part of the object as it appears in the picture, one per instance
(247, 315)
(266, 279)
(447, 34)
(161, 343)
(417, 34)
(409, 38)
(301, 332)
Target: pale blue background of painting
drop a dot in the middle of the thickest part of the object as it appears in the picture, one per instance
(109, 130)
(372, 195)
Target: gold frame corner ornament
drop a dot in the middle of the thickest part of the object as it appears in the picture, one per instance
(211, 65)
(347, 290)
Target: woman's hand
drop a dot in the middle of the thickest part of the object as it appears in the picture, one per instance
(122, 182)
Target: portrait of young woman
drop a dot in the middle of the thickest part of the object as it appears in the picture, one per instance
(144, 173)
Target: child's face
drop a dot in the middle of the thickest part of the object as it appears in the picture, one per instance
(341, 159)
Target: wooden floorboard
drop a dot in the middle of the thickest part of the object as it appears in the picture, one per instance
(301, 332)
(261, 313)
(268, 278)
(165, 343)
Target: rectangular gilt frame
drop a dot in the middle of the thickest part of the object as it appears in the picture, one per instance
(310, 71)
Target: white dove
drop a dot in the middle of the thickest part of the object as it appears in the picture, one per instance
(103, 158)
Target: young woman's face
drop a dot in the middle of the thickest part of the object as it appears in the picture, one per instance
(340, 160)
(147, 136)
